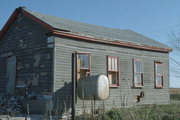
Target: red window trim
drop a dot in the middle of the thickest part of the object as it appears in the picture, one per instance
(162, 75)
(134, 72)
(117, 81)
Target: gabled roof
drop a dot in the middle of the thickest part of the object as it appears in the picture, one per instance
(94, 33)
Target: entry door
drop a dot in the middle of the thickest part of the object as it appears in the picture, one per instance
(11, 75)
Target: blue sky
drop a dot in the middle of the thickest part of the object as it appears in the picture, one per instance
(152, 18)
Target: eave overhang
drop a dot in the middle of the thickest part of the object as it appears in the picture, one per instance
(106, 41)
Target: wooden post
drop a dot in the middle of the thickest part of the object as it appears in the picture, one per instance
(73, 84)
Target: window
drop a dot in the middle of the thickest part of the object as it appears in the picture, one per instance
(138, 73)
(50, 42)
(83, 65)
(84, 61)
(113, 71)
(158, 74)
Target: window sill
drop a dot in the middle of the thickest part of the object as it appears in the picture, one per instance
(158, 87)
(113, 86)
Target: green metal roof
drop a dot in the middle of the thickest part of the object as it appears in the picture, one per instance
(96, 31)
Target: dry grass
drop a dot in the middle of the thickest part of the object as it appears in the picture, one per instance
(153, 112)
(175, 94)
(174, 90)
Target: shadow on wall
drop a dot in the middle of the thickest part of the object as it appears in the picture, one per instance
(62, 100)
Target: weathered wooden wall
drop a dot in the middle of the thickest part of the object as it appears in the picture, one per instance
(125, 94)
(27, 41)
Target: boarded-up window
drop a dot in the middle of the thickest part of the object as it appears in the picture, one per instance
(11, 75)
(83, 65)
(113, 70)
(138, 73)
(158, 74)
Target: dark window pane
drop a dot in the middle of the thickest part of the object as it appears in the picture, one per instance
(112, 77)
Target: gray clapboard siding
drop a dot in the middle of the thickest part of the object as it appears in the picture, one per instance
(125, 94)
